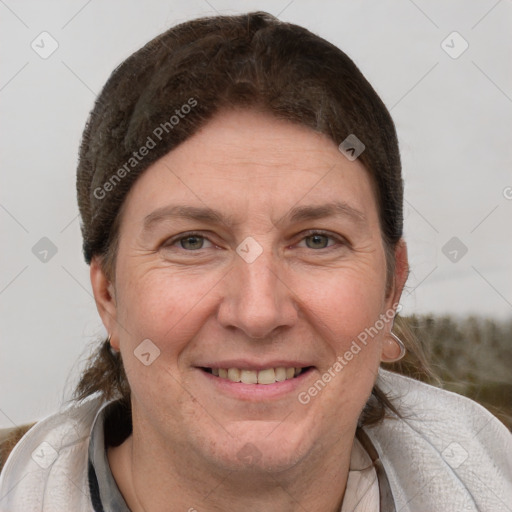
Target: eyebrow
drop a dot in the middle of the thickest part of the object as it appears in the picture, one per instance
(295, 215)
(314, 212)
(201, 214)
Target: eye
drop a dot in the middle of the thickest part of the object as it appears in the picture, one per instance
(320, 240)
(317, 241)
(190, 242)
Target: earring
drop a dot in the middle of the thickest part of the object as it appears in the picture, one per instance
(392, 341)
(109, 342)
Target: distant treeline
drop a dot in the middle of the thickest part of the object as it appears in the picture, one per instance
(471, 356)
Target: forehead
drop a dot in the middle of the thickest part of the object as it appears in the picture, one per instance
(253, 162)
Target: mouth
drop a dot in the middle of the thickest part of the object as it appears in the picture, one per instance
(264, 377)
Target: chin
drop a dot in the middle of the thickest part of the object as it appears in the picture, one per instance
(257, 449)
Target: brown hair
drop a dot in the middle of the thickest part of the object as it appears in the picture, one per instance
(249, 61)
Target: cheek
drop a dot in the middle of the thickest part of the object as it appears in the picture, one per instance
(341, 311)
(169, 309)
(164, 305)
(345, 301)
(342, 308)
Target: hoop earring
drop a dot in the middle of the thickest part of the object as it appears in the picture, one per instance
(111, 348)
(394, 339)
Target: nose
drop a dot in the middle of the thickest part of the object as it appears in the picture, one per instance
(256, 298)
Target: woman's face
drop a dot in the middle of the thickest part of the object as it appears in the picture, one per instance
(254, 245)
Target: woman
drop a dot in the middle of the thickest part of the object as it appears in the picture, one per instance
(241, 198)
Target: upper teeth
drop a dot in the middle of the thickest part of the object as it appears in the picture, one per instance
(267, 376)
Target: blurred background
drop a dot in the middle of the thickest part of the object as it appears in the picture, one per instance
(444, 70)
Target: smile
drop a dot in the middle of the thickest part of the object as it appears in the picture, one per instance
(265, 376)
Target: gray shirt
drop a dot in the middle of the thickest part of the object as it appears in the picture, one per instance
(105, 494)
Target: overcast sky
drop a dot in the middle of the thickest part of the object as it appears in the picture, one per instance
(443, 68)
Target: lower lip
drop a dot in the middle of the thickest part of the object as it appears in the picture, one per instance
(255, 392)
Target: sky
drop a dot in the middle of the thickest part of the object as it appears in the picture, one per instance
(443, 69)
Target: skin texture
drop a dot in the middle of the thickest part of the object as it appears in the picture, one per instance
(298, 300)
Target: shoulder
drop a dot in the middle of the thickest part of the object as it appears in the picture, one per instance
(441, 449)
(50, 452)
(447, 417)
(9, 438)
(420, 401)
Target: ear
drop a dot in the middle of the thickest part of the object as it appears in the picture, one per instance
(391, 345)
(401, 273)
(104, 296)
